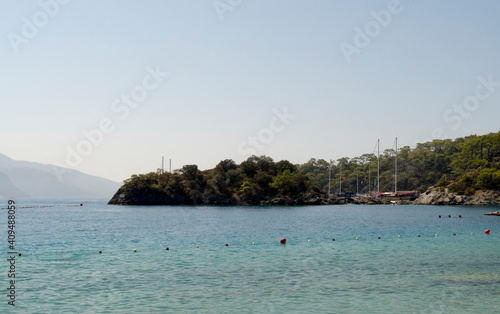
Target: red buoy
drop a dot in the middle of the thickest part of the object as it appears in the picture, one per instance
(283, 241)
(166, 249)
(100, 252)
(454, 234)
(419, 235)
(379, 237)
(227, 244)
(487, 231)
(333, 239)
(19, 254)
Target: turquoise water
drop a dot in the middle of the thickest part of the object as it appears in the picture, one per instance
(61, 271)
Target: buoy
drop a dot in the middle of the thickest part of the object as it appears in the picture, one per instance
(197, 246)
(135, 250)
(166, 249)
(100, 252)
(399, 236)
(308, 240)
(227, 244)
(283, 241)
(487, 231)
(449, 216)
(439, 216)
(357, 238)
(436, 235)
(253, 243)
(471, 233)
(454, 234)
(333, 239)
(419, 235)
(81, 204)
(379, 237)
(19, 254)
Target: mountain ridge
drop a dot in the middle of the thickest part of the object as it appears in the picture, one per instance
(25, 179)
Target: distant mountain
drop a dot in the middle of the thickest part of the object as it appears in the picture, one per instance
(22, 179)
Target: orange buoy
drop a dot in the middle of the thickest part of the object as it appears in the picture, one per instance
(283, 240)
(487, 231)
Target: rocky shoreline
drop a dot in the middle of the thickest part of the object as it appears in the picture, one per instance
(433, 196)
(442, 196)
(301, 199)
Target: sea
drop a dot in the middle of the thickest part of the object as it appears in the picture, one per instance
(99, 258)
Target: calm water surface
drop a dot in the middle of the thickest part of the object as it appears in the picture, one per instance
(61, 271)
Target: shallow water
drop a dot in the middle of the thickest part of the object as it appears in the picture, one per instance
(60, 269)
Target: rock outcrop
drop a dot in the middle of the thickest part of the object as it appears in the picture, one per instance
(442, 196)
(493, 214)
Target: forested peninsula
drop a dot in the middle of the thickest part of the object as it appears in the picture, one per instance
(256, 181)
(464, 171)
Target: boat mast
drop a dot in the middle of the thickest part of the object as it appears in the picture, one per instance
(378, 166)
(329, 176)
(396, 169)
(370, 178)
(340, 178)
(357, 179)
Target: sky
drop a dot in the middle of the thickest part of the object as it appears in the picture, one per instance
(109, 87)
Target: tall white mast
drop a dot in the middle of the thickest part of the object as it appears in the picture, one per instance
(329, 176)
(340, 186)
(378, 166)
(396, 169)
(370, 178)
(357, 179)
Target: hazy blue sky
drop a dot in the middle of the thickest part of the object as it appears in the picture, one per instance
(341, 74)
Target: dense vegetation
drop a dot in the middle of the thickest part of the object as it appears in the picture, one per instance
(254, 181)
(463, 165)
